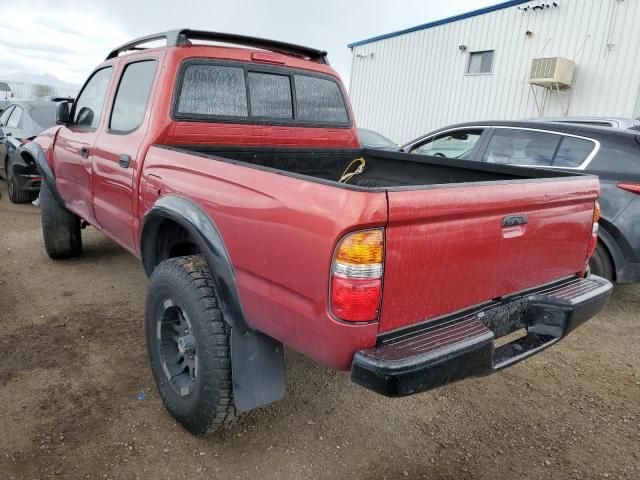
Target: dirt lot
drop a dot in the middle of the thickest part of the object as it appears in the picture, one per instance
(73, 362)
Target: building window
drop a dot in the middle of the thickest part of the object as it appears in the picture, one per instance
(480, 62)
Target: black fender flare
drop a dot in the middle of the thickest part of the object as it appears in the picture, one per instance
(257, 360)
(34, 150)
(209, 241)
(617, 256)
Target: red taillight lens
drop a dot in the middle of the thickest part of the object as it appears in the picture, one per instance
(355, 300)
(356, 276)
(593, 243)
(630, 187)
(594, 231)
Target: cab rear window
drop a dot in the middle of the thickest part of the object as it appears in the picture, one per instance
(246, 93)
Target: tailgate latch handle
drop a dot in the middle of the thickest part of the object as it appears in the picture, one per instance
(514, 220)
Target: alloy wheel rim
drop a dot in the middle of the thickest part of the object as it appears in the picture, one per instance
(177, 347)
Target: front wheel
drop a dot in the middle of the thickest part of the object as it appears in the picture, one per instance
(188, 343)
(60, 227)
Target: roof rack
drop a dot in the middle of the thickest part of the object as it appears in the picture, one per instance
(176, 38)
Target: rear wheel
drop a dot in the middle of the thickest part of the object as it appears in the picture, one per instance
(600, 263)
(60, 227)
(15, 194)
(188, 344)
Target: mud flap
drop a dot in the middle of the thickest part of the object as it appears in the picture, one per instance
(257, 369)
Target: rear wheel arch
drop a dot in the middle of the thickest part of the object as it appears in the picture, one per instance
(610, 247)
(175, 223)
(176, 226)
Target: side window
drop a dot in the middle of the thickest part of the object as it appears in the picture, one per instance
(270, 95)
(480, 62)
(132, 96)
(213, 90)
(573, 152)
(319, 100)
(457, 144)
(14, 119)
(522, 147)
(5, 116)
(88, 107)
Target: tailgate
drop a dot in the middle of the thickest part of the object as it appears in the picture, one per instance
(447, 248)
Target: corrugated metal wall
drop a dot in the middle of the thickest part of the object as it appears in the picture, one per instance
(410, 84)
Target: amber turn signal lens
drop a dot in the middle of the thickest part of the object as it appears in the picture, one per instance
(361, 248)
(356, 276)
(596, 212)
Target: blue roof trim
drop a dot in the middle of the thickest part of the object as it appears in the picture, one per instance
(444, 21)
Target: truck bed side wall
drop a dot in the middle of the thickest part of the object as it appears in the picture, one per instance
(280, 233)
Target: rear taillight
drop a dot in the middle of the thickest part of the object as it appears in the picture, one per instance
(593, 243)
(356, 276)
(630, 187)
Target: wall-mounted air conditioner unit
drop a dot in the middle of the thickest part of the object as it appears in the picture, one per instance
(551, 72)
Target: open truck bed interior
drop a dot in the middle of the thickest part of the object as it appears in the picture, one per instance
(381, 169)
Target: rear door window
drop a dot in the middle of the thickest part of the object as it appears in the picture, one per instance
(249, 93)
(522, 147)
(132, 96)
(456, 144)
(573, 152)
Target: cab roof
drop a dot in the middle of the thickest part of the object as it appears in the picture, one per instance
(182, 37)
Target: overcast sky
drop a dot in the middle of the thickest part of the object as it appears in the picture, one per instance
(67, 38)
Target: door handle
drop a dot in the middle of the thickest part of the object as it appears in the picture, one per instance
(514, 220)
(124, 160)
(84, 152)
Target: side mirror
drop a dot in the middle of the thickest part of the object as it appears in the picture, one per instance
(63, 114)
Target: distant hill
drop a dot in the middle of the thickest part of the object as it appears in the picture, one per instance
(40, 79)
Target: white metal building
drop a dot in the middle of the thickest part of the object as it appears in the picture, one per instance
(477, 66)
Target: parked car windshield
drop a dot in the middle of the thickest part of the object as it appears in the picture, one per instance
(457, 144)
(44, 116)
(372, 139)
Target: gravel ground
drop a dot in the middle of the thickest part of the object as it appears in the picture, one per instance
(73, 364)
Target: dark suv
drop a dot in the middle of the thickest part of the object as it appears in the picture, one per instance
(613, 155)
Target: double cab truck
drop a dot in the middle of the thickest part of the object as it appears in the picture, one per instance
(232, 168)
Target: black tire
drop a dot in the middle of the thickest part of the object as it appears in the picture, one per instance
(60, 227)
(15, 194)
(600, 263)
(194, 383)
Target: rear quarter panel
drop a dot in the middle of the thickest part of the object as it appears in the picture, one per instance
(280, 233)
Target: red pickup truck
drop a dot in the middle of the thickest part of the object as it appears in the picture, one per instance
(236, 176)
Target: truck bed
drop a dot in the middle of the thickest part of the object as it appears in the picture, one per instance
(449, 244)
(382, 170)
